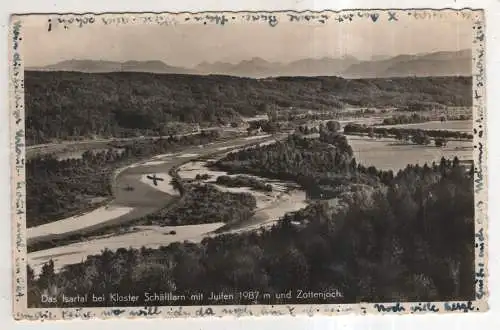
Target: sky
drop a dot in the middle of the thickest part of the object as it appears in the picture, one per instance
(188, 44)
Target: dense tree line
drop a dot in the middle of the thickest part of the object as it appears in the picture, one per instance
(306, 130)
(405, 132)
(410, 239)
(418, 118)
(64, 105)
(403, 119)
(243, 181)
(296, 159)
(57, 189)
(301, 115)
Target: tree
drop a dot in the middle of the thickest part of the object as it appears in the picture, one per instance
(440, 142)
(353, 164)
(47, 276)
(272, 114)
(371, 132)
(420, 137)
(333, 126)
(33, 289)
(321, 127)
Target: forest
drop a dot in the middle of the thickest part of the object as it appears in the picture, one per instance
(72, 105)
(409, 238)
(323, 167)
(57, 189)
(204, 204)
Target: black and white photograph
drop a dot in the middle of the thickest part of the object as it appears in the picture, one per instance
(249, 159)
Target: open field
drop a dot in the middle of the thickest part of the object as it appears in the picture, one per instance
(390, 154)
(451, 125)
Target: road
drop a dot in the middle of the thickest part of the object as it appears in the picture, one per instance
(40, 149)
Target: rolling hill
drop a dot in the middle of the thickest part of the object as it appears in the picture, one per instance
(62, 105)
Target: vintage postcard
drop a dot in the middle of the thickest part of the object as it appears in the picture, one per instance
(248, 163)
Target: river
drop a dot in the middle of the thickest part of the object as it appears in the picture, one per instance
(136, 195)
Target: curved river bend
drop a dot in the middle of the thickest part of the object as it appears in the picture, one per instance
(136, 196)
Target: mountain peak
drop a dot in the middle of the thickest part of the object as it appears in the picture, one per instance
(255, 60)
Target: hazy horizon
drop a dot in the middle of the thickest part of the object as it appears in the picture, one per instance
(188, 44)
(373, 58)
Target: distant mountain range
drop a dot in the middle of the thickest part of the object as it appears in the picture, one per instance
(430, 64)
(110, 66)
